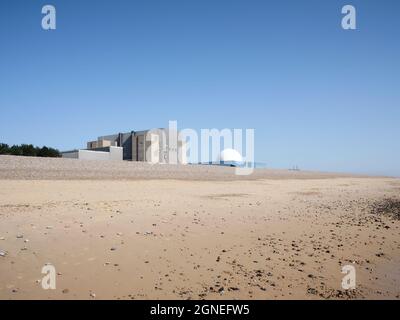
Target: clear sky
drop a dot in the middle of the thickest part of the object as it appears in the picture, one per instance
(318, 96)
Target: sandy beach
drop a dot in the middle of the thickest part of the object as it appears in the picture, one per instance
(140, 231)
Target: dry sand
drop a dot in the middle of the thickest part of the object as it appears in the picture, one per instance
(192, 232)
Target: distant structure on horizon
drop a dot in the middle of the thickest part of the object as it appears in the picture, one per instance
(147, 145)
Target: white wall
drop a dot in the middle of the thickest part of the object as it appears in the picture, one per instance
(71, 155)
(115, 154)
(93, 155)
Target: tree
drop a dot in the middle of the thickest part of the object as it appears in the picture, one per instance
(4, 148)
(48, 152)
(28, 150)
(16, 150)
(55, 153)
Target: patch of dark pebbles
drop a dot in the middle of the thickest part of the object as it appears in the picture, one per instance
(387, 207)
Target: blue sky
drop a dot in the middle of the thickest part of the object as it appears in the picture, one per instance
(317, 96)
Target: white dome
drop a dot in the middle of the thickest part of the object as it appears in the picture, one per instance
(230, 155)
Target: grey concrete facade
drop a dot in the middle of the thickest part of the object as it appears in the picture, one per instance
(123, 140)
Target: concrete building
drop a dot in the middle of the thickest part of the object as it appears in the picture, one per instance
(154, 146)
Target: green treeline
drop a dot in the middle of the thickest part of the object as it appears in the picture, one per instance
(28, 150)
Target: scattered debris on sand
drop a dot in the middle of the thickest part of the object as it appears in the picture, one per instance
(285, 239)
(388, 207)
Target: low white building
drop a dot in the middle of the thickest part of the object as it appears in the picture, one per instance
(109, 153)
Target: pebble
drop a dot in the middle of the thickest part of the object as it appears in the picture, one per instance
(2, 253)
(2, 238)
(20, 236)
